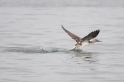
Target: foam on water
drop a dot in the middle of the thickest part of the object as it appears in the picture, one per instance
(45, 50)
(34, 49)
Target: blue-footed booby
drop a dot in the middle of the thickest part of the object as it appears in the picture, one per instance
(87, 40)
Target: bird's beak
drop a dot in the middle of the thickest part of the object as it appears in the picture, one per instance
(99, 41)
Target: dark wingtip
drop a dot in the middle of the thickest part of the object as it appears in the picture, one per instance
(98, 30)
(95, 33)
(62, 26)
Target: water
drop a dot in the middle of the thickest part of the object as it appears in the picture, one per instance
(34, 48)
(61, 3)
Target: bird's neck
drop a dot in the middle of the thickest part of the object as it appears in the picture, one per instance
(91, 41)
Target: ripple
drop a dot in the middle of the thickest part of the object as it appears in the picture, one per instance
(34, 49)
(39, 49)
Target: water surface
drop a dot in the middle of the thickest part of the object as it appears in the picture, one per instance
(34, 48)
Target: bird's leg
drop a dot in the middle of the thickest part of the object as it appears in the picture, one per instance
(74, 48)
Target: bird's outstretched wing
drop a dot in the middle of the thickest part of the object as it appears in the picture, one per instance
(73, 36)
(91, 35)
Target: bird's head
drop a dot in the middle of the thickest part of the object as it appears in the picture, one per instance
(95, 40)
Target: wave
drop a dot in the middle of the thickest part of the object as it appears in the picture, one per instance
(34, 49)
(43, 50)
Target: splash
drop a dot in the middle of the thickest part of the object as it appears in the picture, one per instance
(43, 50)
(34, 49)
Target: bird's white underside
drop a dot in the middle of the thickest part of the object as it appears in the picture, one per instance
(86, 43)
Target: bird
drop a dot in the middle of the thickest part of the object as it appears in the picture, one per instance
(86, 40)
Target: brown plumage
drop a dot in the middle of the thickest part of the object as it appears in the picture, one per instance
(85, 40)
(91, 35)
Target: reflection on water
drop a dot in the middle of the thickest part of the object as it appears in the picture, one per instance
(86, 56)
